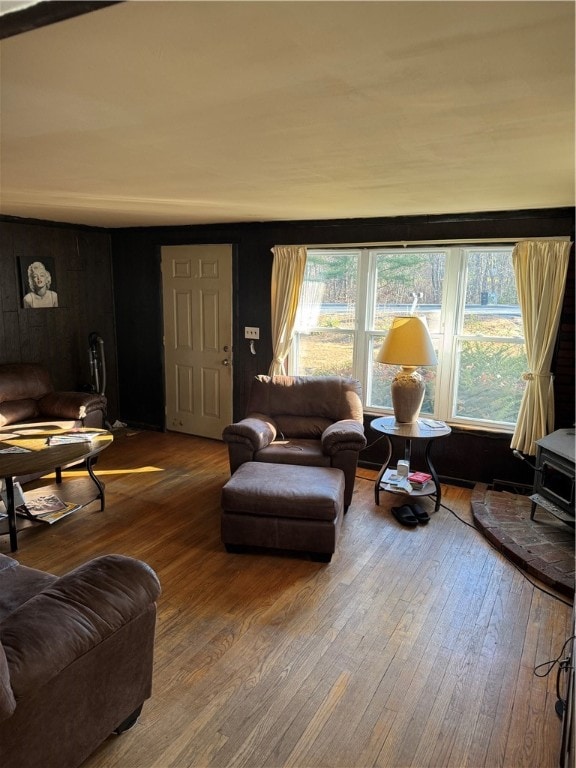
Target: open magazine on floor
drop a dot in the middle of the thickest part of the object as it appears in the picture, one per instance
(46, 508)
(42, 504)
(53, 517)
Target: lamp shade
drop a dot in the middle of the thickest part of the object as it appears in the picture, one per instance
(407, 343)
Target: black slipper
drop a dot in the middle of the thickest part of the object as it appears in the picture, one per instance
(421, 515)
(404, 515)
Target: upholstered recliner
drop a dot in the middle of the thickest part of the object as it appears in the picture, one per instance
(307, 420)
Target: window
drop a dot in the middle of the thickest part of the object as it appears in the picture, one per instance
(468, 296)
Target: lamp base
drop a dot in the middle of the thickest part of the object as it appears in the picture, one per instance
(407, 390)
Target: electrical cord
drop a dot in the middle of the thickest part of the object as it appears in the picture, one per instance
(551, 664)
(469, 525)
(523, 573)
(564, 664)
(370, 445)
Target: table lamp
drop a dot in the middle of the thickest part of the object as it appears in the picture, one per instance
(409, 345)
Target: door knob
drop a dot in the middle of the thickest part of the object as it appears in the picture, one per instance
(226, 361)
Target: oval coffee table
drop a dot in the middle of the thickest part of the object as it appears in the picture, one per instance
(44, 455)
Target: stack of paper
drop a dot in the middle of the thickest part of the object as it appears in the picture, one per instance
(394, 482)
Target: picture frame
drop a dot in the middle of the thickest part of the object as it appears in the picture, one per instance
(38, 282)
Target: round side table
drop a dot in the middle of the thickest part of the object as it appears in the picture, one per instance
(416, 431)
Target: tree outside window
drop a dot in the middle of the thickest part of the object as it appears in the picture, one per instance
(467, 295)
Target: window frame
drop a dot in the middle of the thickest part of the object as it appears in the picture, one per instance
(449, 339)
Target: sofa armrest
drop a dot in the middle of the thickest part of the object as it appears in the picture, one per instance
(71, 405)
(256, 431)
(73, 615)
(344, 435)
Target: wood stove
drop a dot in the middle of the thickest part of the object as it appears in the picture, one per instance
(554, 479)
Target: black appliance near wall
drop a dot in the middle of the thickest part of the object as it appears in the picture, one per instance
(565, 703)
(554, 476)
(138, 300)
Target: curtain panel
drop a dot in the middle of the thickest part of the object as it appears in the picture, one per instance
(540, 269)
(287, 278)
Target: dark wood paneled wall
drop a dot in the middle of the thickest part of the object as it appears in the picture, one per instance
(58, 337)
(137, 281)
(109, 281)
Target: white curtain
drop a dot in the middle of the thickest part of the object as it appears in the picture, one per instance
(287, 278)
(540, 269)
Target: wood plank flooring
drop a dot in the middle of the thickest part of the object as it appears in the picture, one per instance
(413, 648)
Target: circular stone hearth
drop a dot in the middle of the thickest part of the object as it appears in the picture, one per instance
(543, 547)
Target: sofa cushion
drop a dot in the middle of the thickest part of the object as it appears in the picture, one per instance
(285, 490)
(330, 397)
(23, 381)
(70, 405)
(18, 584)
(294, 451)
(301, 426)
(12, 411)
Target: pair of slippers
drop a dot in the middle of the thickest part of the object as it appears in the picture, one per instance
(410, 515)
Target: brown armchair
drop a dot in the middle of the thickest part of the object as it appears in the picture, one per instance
(306, 420)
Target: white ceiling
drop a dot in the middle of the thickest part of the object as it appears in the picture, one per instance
(9, 6)
(151, 113)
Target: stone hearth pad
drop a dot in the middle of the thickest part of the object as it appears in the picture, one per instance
(543, 547)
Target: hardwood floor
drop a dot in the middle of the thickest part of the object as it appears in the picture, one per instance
(412, 648)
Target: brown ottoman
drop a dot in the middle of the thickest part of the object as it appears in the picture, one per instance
(283, 506)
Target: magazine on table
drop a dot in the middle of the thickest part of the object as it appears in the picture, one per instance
(432, 424)
(71, 437)
(13, 449)
(394, 482)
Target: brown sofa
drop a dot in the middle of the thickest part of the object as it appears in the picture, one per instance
(75, 657)
(303, 420)
(27, 396)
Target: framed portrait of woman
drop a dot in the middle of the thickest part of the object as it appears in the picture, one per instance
(39, 289)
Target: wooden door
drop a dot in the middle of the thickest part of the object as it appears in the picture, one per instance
(197, 295)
